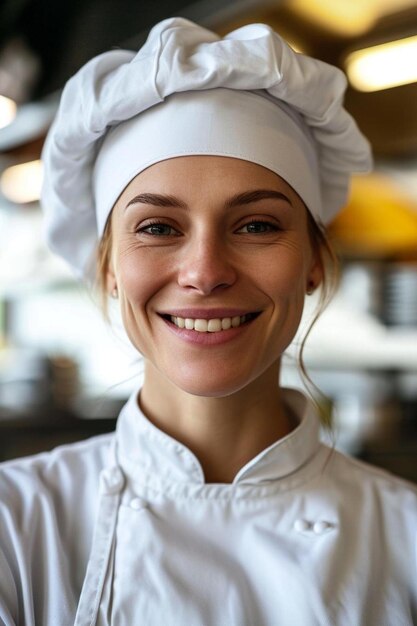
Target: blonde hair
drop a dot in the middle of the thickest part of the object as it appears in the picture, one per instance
(102, 266)
(330, 266)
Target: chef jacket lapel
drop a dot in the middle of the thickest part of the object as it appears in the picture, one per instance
(94, 599)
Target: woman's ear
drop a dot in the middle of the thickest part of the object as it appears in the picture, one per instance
(111, 282)
(316, 273)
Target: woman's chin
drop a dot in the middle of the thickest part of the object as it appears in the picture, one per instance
(209, 384)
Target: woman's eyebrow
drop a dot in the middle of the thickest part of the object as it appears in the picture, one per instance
(247, 197)
(255, 196)
(157, 199)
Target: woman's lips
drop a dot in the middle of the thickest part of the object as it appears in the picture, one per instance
(203, 334)
(200, 313)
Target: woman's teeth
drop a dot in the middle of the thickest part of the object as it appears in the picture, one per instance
(208, 326)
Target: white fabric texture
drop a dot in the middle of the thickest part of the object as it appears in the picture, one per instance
(303, 535)
(223, 122)
(180, 56)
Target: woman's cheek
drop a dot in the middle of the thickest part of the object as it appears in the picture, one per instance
(285, 274)
(137, 278)
(142, 273)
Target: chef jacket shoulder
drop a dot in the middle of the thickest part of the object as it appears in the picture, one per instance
(371, 497)
(48, 504)
(346, 470)
(59, 477)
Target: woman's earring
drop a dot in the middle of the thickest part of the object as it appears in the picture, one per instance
(114, 293)
(310, 288)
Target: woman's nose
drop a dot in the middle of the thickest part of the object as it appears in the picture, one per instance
(206, 266)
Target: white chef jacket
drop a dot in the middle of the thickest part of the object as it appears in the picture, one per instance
(122, 529)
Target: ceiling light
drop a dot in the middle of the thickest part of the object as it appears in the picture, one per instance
(383, 66)
(8, 110)
(347, 17)
(22, 183)
(344, 17)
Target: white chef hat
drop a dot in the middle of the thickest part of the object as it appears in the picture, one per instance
(187, 91)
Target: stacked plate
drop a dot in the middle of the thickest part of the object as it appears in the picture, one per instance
(400, 295)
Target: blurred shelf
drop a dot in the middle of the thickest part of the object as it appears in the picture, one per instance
(37, 429)
(346, 338)
(29, 436)
(400, 460)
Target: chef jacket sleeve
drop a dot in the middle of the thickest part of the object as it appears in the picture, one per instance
(15, 542)
(8, 594)
(47, 509)
(30, 548)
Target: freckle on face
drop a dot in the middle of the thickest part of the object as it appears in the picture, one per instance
(209, 266)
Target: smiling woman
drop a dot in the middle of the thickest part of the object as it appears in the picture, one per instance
(270, 216)
(207, 264)
(194, 179)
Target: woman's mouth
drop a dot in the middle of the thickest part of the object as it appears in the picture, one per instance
(214, 325)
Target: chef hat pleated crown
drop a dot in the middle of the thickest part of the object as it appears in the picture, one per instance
(188, 91)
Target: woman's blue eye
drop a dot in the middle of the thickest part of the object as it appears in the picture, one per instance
(259, 227)
(158, 230)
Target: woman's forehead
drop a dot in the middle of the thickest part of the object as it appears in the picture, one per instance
(189, 174)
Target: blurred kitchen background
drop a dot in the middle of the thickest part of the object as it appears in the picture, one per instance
(65, 373)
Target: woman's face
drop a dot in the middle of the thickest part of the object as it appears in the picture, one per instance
(211, 238)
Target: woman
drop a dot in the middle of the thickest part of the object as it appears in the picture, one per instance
(202, 169)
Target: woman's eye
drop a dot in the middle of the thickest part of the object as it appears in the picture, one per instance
(158, 230)
(258, 227)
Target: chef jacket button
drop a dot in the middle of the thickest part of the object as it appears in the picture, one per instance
(302, 525)
(112, 480)
(321, 527)
(137, 504)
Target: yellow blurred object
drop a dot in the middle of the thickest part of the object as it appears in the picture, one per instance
(384, 66)
(380, 219)
(347, 17)
(8, 110)
(22, 183)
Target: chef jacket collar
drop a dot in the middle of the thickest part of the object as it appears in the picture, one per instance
(146, 451)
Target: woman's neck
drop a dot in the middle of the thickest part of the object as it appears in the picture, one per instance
(224, 433)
